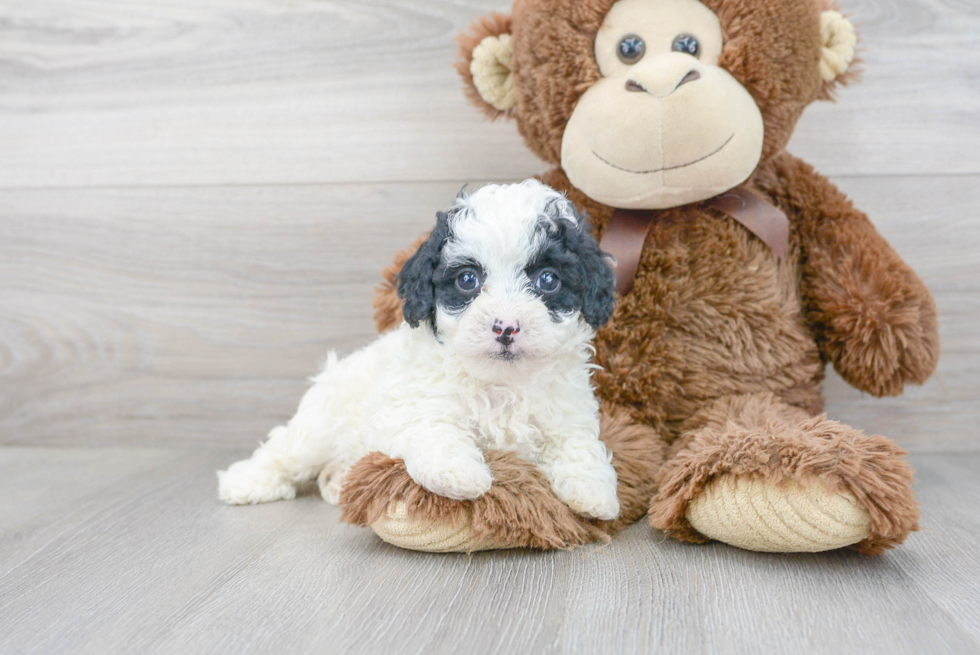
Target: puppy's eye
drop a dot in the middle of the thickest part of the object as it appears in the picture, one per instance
(547, 282)
(687, 44)
(468, 281)
(631, 49)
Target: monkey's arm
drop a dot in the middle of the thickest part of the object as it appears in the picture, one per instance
(873, 317)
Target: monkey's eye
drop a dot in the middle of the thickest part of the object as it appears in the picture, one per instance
(631, 49)
(686, 44)
(468, 281)
(548, 281)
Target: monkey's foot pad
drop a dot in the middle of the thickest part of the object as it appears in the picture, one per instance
(750, 513)
(399, 529)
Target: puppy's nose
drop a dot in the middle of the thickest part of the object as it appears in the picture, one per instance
(505, 331)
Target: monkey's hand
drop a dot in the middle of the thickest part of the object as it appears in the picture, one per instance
(873, 317)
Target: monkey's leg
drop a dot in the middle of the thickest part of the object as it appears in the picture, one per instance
(519, 511)
(765, 476)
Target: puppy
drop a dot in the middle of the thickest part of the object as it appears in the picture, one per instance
(500, 305)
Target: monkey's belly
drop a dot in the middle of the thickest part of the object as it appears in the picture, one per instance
(712, 313)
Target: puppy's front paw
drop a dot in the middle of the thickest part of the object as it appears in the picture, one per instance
(249, 482)
(459, 479)
(331, 485)
(591, 497)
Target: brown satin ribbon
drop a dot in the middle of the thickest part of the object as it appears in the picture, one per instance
(758, 215)
(623, 239)
(626, 231)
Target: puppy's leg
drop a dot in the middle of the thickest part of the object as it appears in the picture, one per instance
(330, 482)
(323, 435)
(293, 453)
(261, 478)
(581, 474)
(445, 460)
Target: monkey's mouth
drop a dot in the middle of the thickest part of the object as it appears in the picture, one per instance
(666, 168)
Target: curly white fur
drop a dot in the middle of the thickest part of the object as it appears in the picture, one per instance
(439, 395)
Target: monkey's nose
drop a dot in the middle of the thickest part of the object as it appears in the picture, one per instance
(691, 75)
(505, 331)
(664, 74)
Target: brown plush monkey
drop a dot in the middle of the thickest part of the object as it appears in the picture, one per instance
(743, 273)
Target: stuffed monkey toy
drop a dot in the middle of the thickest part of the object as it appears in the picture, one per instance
(742, 272)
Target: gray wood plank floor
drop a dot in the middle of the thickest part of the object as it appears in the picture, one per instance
(196, 197)
(126, 550)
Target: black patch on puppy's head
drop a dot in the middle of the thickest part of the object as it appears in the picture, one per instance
(416, 286)
(588, 283)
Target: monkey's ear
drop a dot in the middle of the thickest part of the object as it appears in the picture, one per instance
(837, 55)
(485, 52)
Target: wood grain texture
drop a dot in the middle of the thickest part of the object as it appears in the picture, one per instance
(196, 199)
(145, 560)
(153, 306)
(196, 92)
(193, 315)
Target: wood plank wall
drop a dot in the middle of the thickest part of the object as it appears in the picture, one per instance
(196, 197)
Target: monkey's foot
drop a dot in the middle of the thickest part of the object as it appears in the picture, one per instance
(748, 512)
(769, 478)
(519, 511)
(398, 528)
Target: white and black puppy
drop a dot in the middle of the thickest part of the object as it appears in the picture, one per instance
(500, 305)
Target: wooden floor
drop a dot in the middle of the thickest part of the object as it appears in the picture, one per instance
(196, 197)
(124, 550)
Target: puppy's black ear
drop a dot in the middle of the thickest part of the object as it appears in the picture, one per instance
(598, 279)
(599, 296)
(415, 286)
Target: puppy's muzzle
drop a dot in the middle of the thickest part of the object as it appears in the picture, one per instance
(506, 331)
